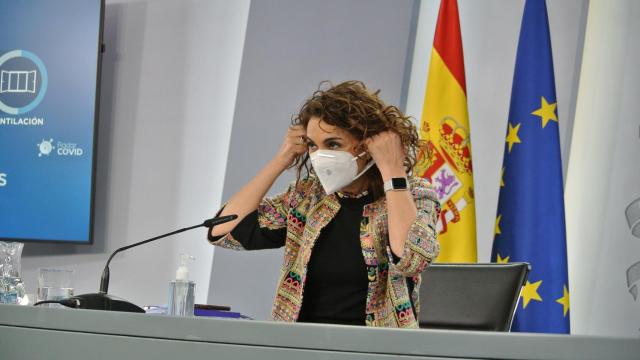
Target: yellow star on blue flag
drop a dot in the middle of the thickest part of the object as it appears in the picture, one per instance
(546, 112)
(530, 224)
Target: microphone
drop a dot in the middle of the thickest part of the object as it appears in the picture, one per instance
(104, 301)
(218, 220)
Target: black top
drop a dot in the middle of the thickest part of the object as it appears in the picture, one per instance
(336, 284)
(336, 288)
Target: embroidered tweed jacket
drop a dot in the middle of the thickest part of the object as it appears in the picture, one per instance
(305, 209)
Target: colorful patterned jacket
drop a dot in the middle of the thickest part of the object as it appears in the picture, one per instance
(305, 209)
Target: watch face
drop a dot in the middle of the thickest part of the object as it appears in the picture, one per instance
(399, 183)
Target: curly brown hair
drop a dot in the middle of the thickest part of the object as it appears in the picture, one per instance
(352, 107)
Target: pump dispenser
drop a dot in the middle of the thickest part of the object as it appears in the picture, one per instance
(181, 290)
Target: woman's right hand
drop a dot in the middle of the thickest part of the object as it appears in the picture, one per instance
(293, 146)
(248, 198)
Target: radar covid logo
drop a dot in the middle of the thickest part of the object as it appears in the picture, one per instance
(23, 81)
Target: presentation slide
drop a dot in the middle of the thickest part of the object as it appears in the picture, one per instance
(49, 62)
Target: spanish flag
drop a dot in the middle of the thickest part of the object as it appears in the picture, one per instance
(445, 128)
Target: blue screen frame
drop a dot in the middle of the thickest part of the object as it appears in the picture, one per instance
(50, 70)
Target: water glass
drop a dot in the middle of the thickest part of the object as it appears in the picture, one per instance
(54, 284)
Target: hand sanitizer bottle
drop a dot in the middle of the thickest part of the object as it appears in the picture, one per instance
(181, 291)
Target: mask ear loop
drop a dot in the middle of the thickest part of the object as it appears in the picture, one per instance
(366, 167)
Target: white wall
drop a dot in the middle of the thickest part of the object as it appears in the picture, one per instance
(603, 178)
(169, 80)
(490, 31)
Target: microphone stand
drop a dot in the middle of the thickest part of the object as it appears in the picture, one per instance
(103, 301)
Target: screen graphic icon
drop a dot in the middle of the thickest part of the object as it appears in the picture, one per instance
(45, 147)
(18, 81)
(22, 73)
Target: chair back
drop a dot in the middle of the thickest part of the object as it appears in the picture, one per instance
(471, 296)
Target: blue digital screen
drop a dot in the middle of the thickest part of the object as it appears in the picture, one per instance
(49, 71)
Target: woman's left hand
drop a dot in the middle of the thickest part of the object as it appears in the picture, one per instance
(387, 151)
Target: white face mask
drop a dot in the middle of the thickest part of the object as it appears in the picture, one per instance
(336, 169)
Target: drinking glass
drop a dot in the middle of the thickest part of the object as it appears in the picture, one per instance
(54, 284)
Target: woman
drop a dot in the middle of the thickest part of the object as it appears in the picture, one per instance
(357, 232)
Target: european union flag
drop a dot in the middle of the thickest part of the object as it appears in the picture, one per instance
(530, 222)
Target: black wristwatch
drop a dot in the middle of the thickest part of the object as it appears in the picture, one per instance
(396, 184)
